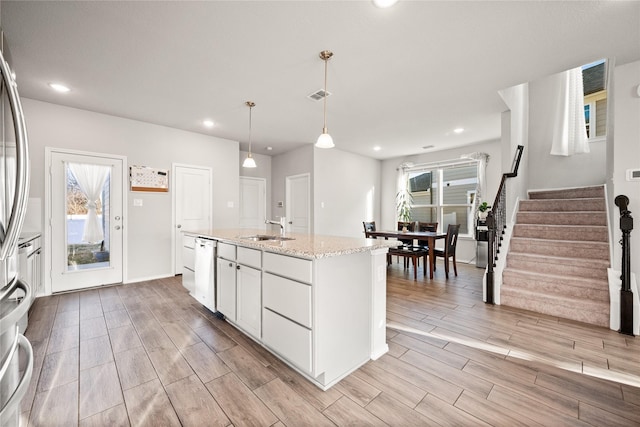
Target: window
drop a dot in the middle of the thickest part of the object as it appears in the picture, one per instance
(595, 99)
(444, 194)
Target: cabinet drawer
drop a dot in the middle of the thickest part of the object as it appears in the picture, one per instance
(188, 241)
(188, 279)
(250, 257)
(188, 258)
(293, 268)
(290, 299)
(227, 251)
(288, 339)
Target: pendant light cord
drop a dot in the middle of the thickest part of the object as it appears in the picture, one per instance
(326, 61)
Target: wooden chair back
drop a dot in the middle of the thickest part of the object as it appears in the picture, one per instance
(368, 226)
(427, 226)
(451, 240)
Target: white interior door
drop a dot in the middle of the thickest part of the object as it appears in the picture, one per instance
(253, 202)
(298, 203)
(192, 207)
(85, 203)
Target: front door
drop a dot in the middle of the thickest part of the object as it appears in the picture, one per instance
(297, 191)
(86, 212)
(191, 204)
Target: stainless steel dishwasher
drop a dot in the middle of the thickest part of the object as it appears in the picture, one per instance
(205, 274)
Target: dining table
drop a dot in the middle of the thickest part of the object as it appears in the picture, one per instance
(429, 236)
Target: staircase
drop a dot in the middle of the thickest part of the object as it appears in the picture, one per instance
(559, 254)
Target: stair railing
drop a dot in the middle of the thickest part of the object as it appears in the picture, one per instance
(496, 224)
(626, 294)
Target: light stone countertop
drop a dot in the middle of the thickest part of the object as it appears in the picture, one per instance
(311, 246)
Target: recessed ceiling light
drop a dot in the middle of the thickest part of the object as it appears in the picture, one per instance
(377, 148)
(269, 148)
(208, 123)
(59, 87)
(382, 4)
(458, 130)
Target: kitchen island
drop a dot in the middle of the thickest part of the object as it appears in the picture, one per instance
(317, 302)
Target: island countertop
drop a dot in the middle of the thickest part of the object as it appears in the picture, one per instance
(311, 246)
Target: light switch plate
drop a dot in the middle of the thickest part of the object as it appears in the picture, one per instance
(137, 202)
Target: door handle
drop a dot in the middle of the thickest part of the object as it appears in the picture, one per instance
(117, 218)
(290, 222)
(21, 194)
(237, 267)
(117, 227)
(179, 226)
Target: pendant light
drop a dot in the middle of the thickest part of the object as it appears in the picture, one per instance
(325, 140)
(249, 162)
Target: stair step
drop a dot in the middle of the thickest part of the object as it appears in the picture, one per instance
(578, 288)
(562, 232)
(562, 266)
(563, 205)
(563, 218)
(578, 309)
(569, 193)
(561, 248)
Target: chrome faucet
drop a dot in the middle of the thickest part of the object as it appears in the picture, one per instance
(281, 223)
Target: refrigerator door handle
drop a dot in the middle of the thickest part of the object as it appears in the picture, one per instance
(14, 225)
(13, 403)
(10, 320)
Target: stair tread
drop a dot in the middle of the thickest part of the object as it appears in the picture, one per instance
(546, 241)
(561, 260)
(555, 299)
(553, 277)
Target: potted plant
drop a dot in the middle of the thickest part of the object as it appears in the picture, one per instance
(483, 210)
(403, 206)
(101, 255)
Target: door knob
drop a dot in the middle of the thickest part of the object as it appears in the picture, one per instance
(117, 227)
(117, 218)
(290, 222)
(179, 226)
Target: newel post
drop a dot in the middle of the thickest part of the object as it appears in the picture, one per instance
(626, 294)
(491, 226)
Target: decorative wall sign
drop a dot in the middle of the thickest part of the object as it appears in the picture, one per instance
(144, 178)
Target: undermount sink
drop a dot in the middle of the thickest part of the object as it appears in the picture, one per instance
(265, 237)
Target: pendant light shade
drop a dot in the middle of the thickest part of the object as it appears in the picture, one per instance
(249, 162)
(325, 140)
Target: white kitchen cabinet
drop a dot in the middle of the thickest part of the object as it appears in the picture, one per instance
(226, 287)
(240, 287)
(188, 262)
(249, 302)
(320, 311)
(288, 339)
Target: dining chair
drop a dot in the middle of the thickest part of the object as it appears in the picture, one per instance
(368, 227)
(449, 250)
(414, 254)
(426, 226)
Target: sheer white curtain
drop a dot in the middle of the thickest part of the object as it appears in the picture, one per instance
(483, 159)
(91, 179)
(569, 130)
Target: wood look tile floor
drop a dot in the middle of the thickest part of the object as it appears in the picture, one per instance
(147, 354)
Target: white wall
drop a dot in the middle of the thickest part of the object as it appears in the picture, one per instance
(626, 156)
(545, 170)
(347, 192)
(148, 227)
(262, 171)
(466, 246)
(293, 162)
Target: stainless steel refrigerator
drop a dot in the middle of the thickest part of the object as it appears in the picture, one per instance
(16, 355)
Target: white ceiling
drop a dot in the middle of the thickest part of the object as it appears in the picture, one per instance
(401, 78)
